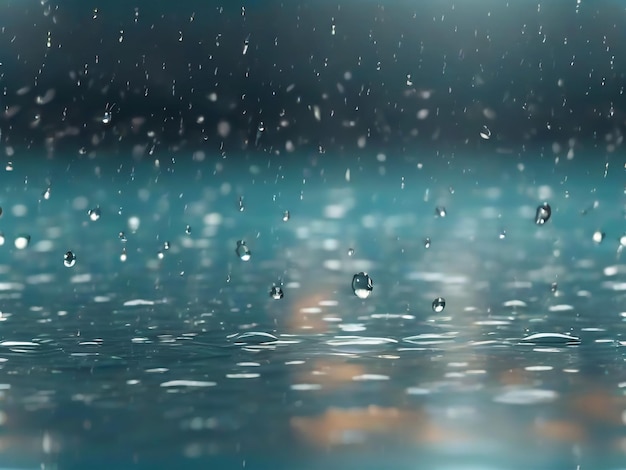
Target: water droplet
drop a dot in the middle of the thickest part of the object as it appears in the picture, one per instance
(188, 229)
(160, 254)
(502, 235)
(243, 251)
(554, 287)
(122, 237)
(246, 44)
(94, 214)
(0, 211)
(485, 133)
(123, 256)
(241, 206)
(69, 259)
(21, 241)
(440, 211)
(276, 293)
(439, 304)
(106, 117)
(166, 246)
(46, 194)
(622, 240)
(350, 251)
(598, 236)
(286, 216)
(2, 239)
(427, 243)
(544, 211)
(362, 285)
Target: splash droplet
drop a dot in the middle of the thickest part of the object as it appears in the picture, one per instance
(21, 241)
(46, 194)
(439, 304)
(440, 211)
(188, 229)
(243, 251)
(502, 235)
(122, 237)
(276, 293)
(166, 246)
(94, 214)
(350, 251)
(427, 243)
(598, 236)
(241, 206)
(286, 216)
(544, 211)
(123, 256)
(554, 287)
(69, 259)
(362, 285)
(485, 133)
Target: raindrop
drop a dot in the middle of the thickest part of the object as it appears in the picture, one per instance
(241, 206)
(22, 241)
(622, 240)
(246, 44)
(188, 229)
(502, 235)
(122, 237)
(485, 133)
(598, 236)
(276, 293)
(243, 251)
(554, 287)
(440, 211)
(46, 194)
(286, 216)
(94, 214)
(69, 259)
(544, 211)
(160, 254)
(362, 285)
(427, 242)
(166, 246)
(2, 239)
(350, 251)
(106, 117)
(439, 304)
(123, 256)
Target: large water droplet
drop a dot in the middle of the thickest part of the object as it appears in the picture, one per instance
(106, 117)
(46, 194)
(69, 259)
(598, 236)
(439, 304)
(427, 242)
(276, 293)
(554, 287)
(362, 285)
(122, 237)
(22, 241)
(188, 229)
(123, 256)
(502, 235)
(94, 214)
(544, 211)
(350, 251)
(485, 133)
(243, 251)
(440, 211)
(166, 246)
(286, 216)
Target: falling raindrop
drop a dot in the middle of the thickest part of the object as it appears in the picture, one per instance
(440, 211)
(243, 251)
(160, 254)
(276, 293)
(286, 216)
(46, 194)
(362, 285)
(2, 239)
(106, 117)
(241, 206)
(166, 246)
(22, 241)
(485, 133)
(439, 304)
(544, 211)
(123, 256)
(502, 235)
(554, 287)
(94, 214)
(69, 259)
(350, 251)
(188, 229)
(598, 236)
(427, 243)
(122, 237)
(622, 240)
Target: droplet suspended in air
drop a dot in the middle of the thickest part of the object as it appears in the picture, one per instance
(243, 251)
(350, 251)
(440, 211)
(106, 117)
(46, 194)
(166, 246)
(502, 235)
(598, 236)
(94, 214)
(160, 254)
(544, 211)
(188, 229)
(241, 206)
(21, 241)
(123, 256)
(439, 304)
(427, 243)
(622, 240)
(122, 237)
(2, 239)
(276, 293)
(485, 133)
(554, 287)
(69, 259)
(362, 285)
(286, 216)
